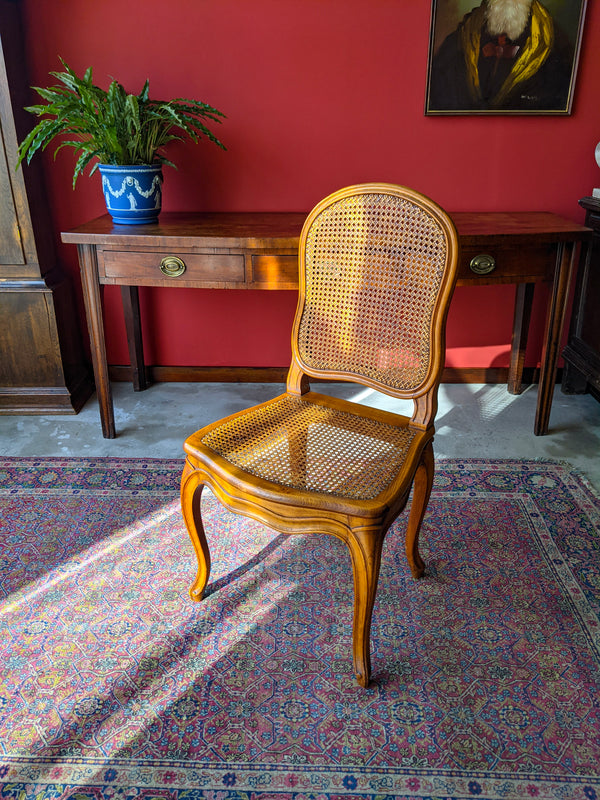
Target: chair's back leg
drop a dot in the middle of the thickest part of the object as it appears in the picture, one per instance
(191, 494)
(421, 491)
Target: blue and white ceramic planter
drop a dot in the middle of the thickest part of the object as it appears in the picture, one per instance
(133, 194)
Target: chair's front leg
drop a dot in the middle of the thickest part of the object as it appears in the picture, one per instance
(191, 494)
(365, 546)
(422, 485)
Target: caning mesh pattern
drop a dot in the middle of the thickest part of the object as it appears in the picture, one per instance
(374, 264)
(309, 447)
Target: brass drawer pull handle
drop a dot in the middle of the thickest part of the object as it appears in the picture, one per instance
(483, 264)
(172, 267)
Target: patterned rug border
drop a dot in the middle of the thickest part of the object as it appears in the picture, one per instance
(169, 465)
(118, 777)
(84, 778)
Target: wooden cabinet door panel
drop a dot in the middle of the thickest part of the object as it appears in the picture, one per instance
(11, 250)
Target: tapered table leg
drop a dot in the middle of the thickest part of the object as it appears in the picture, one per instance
(523, 303)
(93, 309)
(131, 311)
(565, 266)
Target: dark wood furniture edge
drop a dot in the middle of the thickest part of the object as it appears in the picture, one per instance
(36, 400)
(566, 265)
(288, 234)
(186, 374)
(93, 311)
(131, 311)
(590, 201)
(175, 229)
(518, 347)
(582, 354)
(43, 366)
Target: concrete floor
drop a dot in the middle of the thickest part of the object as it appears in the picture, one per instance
(474, 420)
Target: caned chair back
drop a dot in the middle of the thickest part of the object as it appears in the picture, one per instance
(377, 267)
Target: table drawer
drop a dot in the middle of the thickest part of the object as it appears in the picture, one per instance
(179, 267)
(274, 271)
(506, 264)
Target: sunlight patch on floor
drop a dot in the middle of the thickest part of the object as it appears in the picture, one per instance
(66, 572)
(495, 401)
(134, 679)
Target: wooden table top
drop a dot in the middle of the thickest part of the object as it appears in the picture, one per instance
(260, 228)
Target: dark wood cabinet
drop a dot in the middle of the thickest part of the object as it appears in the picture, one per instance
(581, 372)
(42, 363)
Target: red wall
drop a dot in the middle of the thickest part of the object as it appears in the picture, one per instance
(318, 94)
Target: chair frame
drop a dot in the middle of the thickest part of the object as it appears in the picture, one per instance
(361, 524)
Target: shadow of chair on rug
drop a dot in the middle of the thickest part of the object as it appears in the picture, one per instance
(377, 267)
(248, 565)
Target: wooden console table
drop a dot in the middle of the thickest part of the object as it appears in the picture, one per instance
(257, 250)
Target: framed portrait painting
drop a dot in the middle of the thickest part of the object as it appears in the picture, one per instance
(503, 56)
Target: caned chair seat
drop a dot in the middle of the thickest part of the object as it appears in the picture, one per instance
(314, 445)
(377, 266)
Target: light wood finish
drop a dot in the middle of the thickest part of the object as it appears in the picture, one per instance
(377, 267)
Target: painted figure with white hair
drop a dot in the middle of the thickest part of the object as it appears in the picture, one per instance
(505, 55)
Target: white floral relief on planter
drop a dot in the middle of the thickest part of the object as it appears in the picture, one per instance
(128, 182)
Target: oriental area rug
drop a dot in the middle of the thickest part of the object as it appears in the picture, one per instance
(114, 684)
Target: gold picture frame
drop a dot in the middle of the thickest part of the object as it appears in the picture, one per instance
(470, 71)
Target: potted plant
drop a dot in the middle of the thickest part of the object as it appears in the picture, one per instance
(120, 134)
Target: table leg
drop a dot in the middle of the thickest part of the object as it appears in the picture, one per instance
(565, 267)
(131, 310)
(523, 303)
(88, 265)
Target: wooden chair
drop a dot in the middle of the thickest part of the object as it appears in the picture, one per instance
(377, 266)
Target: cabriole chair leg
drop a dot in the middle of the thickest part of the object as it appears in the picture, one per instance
(191, 494)
(422, 485)
(365, 546)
